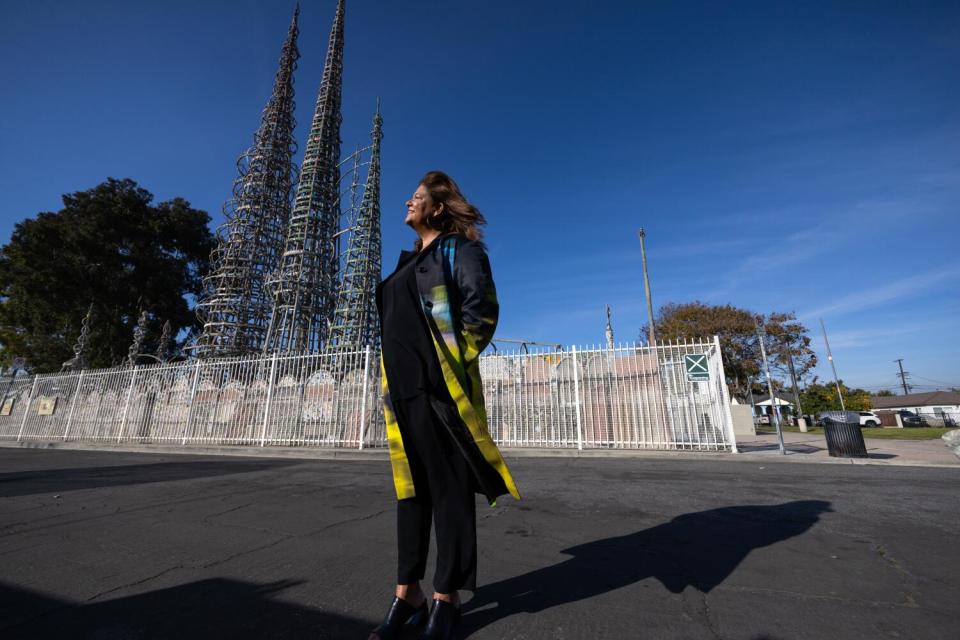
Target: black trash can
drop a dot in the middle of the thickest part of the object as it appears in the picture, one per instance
(844, 439)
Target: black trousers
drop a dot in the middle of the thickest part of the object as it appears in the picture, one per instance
(444, 495)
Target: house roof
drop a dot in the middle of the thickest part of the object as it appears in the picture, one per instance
(783, 397)
(916, 400)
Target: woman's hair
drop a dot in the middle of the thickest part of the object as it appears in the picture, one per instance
(457, 215)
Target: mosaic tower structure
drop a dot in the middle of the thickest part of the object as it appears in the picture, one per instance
(304, 286)
(79, 360)
(355, 324)
(235, 305)
(139, 335)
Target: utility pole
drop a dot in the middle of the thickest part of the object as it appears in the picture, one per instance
(903, 377)
(651, 337)
(761, 334)
(836, 381)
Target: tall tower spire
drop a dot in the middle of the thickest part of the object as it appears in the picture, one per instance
(609, 329)
(305, 285)
(354, 324)
(235, 305)
(79, 360)
(139, 334)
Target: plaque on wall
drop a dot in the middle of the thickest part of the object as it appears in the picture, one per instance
(46, 406)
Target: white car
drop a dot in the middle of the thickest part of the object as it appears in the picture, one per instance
(869, 419)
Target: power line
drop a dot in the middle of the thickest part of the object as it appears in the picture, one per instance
(952, 384)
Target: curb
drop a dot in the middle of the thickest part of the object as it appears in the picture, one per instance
(379, 453)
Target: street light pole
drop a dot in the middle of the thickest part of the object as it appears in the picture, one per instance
(651, 337)
(836, 380)
(796, 390)
(761, 334)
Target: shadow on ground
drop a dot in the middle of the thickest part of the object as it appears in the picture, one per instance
(208, 609)
(698, 550)
(791, 448)
(24, 483)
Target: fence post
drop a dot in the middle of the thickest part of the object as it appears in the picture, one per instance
(73, 405)
(193, 397)
(363, 400)
(725, 392)
(126, 405)
(26, 411)
(269, 402)
(576, 397)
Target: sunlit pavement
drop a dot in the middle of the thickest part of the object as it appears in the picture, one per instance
(812, 447)
(130, 545)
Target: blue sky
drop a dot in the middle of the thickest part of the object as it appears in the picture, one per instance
(790, 156)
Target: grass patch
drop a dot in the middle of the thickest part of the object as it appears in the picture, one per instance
(907, 433)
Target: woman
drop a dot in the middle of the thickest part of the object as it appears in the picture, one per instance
(438, 311)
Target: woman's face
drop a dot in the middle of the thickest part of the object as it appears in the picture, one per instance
(420, 207)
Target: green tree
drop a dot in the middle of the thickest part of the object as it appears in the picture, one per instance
(818, 397)
(884, 393)
(739, 344)
(108, 246)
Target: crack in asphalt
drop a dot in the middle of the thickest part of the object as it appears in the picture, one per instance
(369, 516)
(706, 615)
(822, 597)
(283, 538)
(910, 593)
(908, 581)
(178, 501)
(133, 584)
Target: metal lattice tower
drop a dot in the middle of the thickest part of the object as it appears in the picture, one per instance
(79, 361)
(139, 334)
(355, 324)
(165, 345)
(235, 309)
(305, 285)
(608, 332)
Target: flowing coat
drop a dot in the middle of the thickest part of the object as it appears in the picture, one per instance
(459, 301)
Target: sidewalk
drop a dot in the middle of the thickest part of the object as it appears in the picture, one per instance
(801, 447)
(812, 447)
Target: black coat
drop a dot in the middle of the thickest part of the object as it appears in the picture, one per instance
(459, 301)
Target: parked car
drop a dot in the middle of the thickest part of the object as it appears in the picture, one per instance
(910, 419)
(763, 419)
(869, 419)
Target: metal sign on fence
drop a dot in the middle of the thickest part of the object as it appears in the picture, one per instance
(696, 365)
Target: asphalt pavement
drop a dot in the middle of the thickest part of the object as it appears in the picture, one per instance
(114, 545)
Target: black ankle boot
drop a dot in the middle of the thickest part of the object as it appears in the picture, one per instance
(444, 619)
(401, 613)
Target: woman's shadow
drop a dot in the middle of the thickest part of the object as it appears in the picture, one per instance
(696, 549)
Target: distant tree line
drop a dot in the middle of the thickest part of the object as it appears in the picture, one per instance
(817, 397)
(785, 338)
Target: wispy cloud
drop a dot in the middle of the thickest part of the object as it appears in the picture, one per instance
(896, 290)
(694, 249)
(801, 246)
(872, 337)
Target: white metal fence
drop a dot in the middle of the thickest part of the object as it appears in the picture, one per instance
(625, 397)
